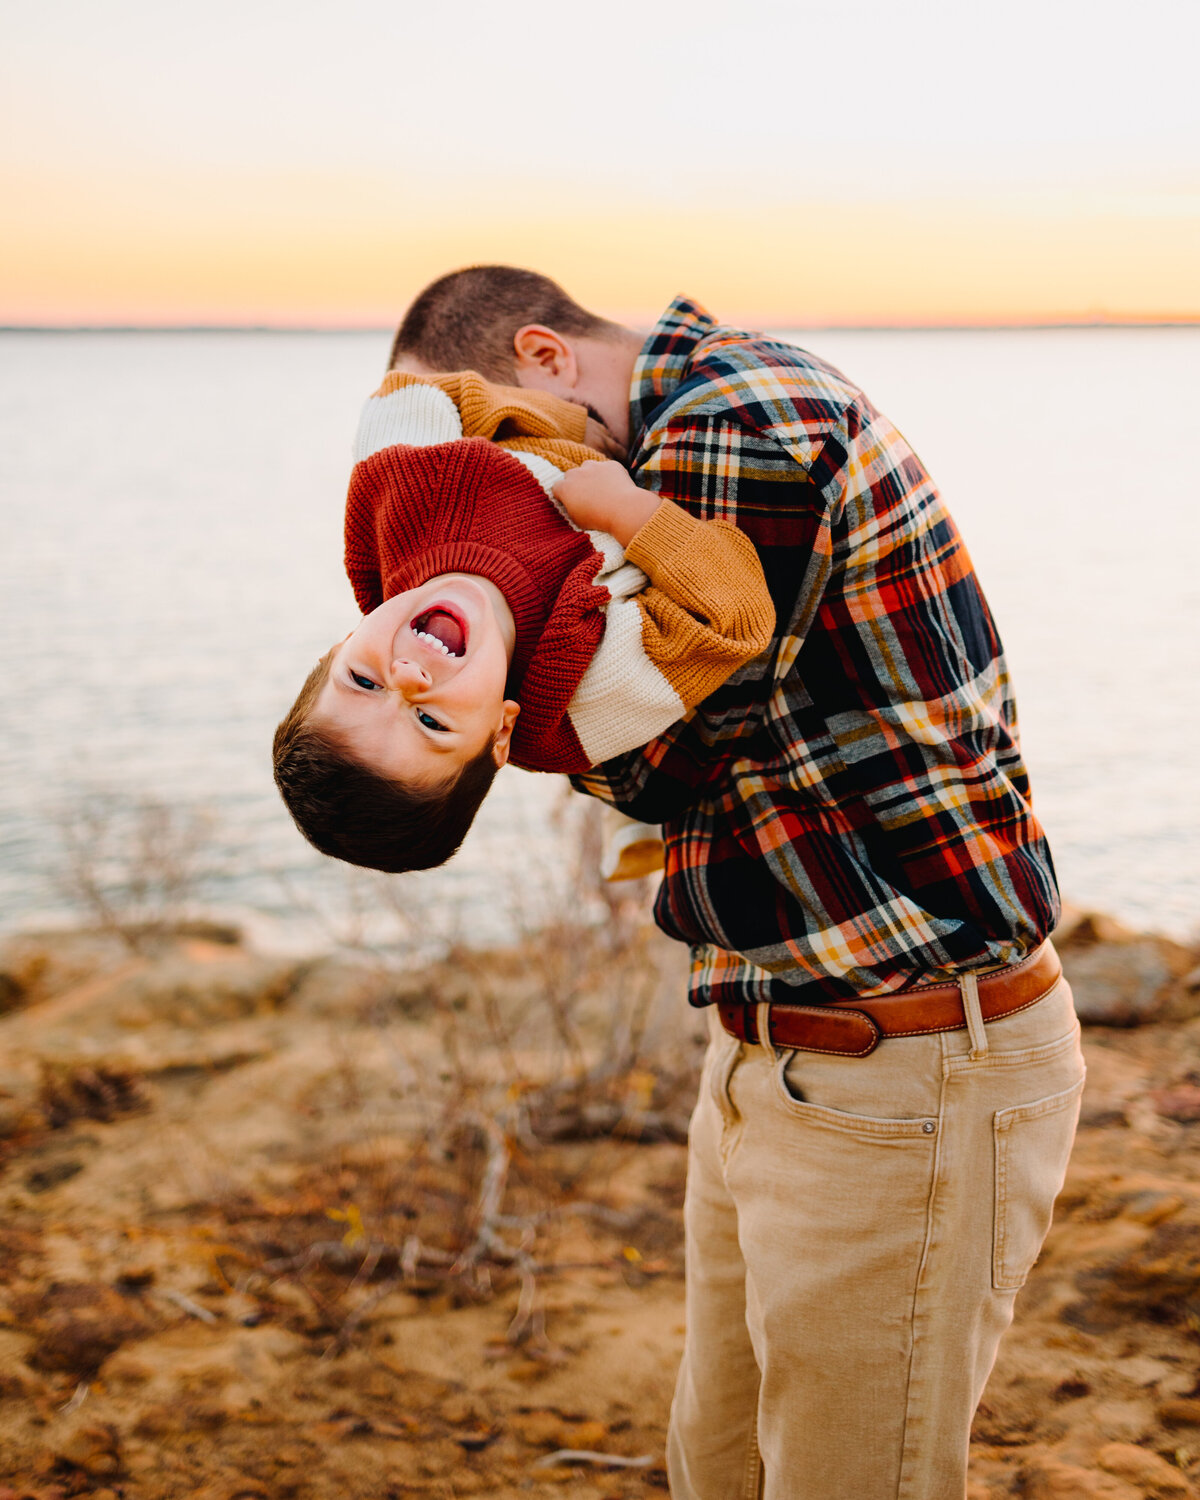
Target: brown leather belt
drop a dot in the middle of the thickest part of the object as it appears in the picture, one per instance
(854, 1027)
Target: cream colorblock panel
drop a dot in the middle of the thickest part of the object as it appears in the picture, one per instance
(418, 415)
(618, 575)
(622, 700)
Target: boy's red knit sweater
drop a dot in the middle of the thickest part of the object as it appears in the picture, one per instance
(468, 506)
(612, 644)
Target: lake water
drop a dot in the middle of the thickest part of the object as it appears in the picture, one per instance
(170, 515)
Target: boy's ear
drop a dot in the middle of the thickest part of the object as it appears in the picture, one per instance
(503, 740)
(544, 360)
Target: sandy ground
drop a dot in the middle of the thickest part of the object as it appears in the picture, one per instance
(330, 1228)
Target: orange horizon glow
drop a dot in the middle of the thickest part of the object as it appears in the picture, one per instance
(210, 260)
(215, 168)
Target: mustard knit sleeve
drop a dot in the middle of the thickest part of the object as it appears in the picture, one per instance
(688, 605)
(499, 411)
(707, 610)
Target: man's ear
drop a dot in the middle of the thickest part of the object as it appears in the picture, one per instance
(503, 740)
(544, 360)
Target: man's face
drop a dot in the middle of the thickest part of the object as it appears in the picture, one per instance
(417, 690)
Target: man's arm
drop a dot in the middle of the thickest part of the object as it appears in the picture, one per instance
(715, 466)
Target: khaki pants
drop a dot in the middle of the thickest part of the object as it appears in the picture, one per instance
(857, 1230)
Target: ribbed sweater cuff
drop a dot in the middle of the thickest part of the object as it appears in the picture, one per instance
(655, 546)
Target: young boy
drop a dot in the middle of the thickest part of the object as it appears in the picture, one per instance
(519, 602)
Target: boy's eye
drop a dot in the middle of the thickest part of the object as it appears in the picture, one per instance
(429, 721)
(363, 682)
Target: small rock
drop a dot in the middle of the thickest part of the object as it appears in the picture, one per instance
(1117, 984)
(477, 1438)
(93, 1447)
(1103, 1119)
(1182, 1411)
(580, 1435)
(46, 965)
(17, 1117)
(197, 989)
(125, 1370)
(1049, 1479)
(1141, 1369)
(1002, 1423)
(157, 1420)
(12, 991)
(1125, 1421)
(23, 966)
(79, 1324)
(135, 1277)
(1084, 929)
(538, 1429)
(459, 1410)
(466, 1482)
(16, 1383)
(1164, 1269)
(1152, 1207)
(207, 1415)
(1146, 1468)
(42, 1179)
(339, 1428)
(239, 1488)
(349, 991)
(1182, 1102)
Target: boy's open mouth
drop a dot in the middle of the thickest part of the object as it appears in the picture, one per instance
(438, 627)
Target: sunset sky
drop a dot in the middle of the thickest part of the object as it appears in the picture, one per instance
(250, 161)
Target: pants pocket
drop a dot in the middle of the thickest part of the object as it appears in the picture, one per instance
(1032, 1145)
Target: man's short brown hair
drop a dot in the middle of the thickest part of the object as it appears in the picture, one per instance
(467, 319)
(350, 812)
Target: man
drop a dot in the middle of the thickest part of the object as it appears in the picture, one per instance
(893, 1077)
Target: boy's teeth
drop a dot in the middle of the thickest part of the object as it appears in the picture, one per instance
(432, 640)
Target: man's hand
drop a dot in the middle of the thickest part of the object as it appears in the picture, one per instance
(602, 497)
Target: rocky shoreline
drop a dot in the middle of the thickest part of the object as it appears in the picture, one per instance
(344, 1226)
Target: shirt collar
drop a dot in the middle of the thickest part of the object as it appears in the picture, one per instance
(659, 368)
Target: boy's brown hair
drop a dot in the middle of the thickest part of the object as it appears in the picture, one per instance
(466, 320)
(351, 813)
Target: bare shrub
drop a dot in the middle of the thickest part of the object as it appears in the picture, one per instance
(135, 865)
(547, 1067)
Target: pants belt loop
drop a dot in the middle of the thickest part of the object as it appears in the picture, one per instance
(763, 1017)
(969, 984)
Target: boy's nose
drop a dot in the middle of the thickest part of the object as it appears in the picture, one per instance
(408, 677)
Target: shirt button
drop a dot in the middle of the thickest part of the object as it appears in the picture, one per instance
(929, 1127)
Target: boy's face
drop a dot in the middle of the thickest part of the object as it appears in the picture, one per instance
(417, 690)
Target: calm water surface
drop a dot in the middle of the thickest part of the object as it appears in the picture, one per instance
(170, 568)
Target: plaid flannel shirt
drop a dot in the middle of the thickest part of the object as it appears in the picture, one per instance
(849, 814)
